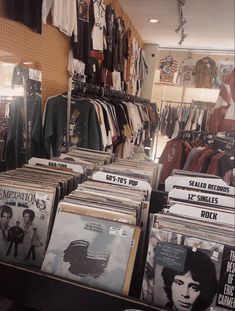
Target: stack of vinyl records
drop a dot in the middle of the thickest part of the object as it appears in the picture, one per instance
(79, 160)
(28, 201)
(90, 155)
(191, 254)
(96, 234)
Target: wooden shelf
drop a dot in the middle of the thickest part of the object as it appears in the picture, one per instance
(36, 289)
(45, 292)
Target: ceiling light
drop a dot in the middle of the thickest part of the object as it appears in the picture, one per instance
(154, 20)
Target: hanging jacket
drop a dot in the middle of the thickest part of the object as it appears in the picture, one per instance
(84, 126)
(223, 117)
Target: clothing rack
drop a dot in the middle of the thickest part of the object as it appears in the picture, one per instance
(163, 104)
(170, 102)
(202, 104)
(224, 143)
(84, 87)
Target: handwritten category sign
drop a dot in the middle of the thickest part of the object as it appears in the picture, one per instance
(53, 163)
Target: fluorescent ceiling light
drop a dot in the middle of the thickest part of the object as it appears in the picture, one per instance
(154, 20)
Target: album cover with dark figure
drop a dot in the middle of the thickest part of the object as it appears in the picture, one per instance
(24, 220)
(89, 250)
(186, 273)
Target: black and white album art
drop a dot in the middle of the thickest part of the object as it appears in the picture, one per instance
(84, 262)
(89, 250)
(184, 273)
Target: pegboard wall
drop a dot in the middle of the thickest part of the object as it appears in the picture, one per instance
(50, 49)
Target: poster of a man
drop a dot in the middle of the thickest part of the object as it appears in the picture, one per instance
(195, 287)
(5, 217)
(186, 273)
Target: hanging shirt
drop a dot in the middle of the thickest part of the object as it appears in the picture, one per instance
(64, 15)
(205, 72)
(143, 66)
(16, 143)
(76, 67)
(35, 125)
(84, 126)
(185, 74)
(98, 37)
(81, 43)
(171, 157)
(27, 12)
(110, 37)
(223, 117)
(120, 47)
(224, 69)
(168, 67)
(116, 81)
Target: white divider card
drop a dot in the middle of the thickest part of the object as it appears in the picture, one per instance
(53, 163)
(201, 198)
(213, 185)
(123, 181)
(202, 213)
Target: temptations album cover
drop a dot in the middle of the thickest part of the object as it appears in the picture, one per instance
(24, 220)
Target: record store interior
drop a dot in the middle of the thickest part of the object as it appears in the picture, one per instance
(117, 169)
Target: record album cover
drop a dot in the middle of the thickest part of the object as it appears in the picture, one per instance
(89, 250)
(24, 220)
(186, 273)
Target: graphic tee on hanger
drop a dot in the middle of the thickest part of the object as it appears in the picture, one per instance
(168, 67)
(185, 75)
(205, 73)
(224, 68)
(98, 38)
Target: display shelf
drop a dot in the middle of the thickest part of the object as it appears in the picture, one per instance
(42, 291)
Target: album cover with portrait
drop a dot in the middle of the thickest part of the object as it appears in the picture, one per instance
(187, 273)
(90, 250)
(25, 214)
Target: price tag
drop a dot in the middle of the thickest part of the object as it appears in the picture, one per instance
(117, 231)
(215, 256)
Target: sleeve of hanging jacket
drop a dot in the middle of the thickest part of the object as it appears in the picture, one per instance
(46, 7)
(54, 129)
(171, 157)
(94, 131)
(35, 105)
(223, 117)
